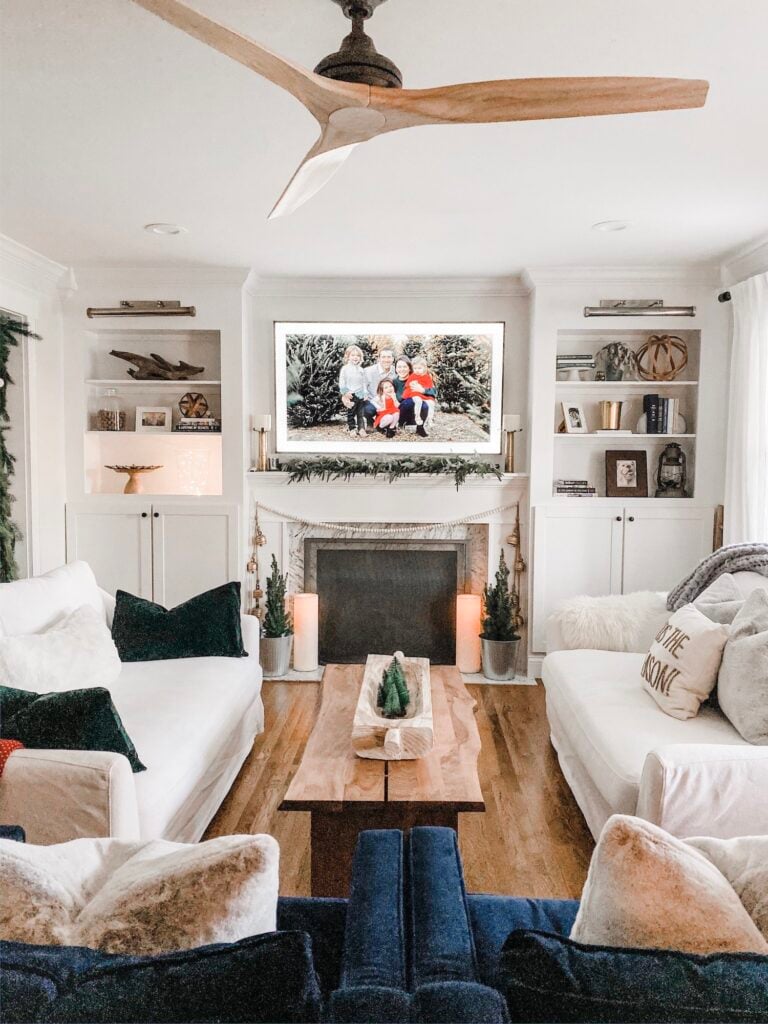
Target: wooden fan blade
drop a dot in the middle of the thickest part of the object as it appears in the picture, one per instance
(313, 173)
(320, 96)
(528, 99)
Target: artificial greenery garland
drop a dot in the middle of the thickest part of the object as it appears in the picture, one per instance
(12, 331)
(341, 468)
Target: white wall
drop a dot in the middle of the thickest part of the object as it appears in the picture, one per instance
(29, 286)
(387, 299)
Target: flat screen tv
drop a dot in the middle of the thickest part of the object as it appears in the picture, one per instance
(389, 387)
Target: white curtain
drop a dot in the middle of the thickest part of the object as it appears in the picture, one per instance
(746, 475)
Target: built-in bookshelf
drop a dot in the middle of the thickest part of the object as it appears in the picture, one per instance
(581, 456)
(191, 462)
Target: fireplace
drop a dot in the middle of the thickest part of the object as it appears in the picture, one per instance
(376, 597)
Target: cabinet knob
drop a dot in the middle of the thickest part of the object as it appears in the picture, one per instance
(631, 519)
(618, 519)
(144, 515)
(156, 515)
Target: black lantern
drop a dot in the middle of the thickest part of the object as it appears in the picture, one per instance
(671, 474)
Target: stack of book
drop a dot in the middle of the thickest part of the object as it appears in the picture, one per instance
(660, 413)
(575, 488)
(199, 424)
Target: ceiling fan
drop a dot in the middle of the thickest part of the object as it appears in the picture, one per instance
(356, 93)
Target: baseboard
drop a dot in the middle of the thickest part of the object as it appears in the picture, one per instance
(535, 662)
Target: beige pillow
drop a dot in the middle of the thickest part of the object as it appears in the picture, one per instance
(744, 862)
(138, 898)
(680, 671)
(645, 889)
(742, 687)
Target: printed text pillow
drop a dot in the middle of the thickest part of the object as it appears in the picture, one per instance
(680, 670)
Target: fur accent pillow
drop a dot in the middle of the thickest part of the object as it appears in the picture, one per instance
(77, 652)
(742, 686)
(744, 862)
(648, 890)
(680, 670)
(138, 898)
(618, 622)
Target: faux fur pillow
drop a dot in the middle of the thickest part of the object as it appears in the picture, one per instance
(618, 622)
(646, 889)
(74, 654)
(680, 670)
(138, 898)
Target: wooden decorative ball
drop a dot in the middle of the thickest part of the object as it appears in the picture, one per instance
(662, 357)
(193, 405)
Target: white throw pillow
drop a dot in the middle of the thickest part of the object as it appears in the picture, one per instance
(30, 606)
(617, 622)
(648, 890)
(680, 671)
(744, 862)
(77, 653)
(138, 898)
(742, 686)
(721, 601)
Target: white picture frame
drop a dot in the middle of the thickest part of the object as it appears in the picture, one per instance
(153, 419)
(575, 418)
(481, 435)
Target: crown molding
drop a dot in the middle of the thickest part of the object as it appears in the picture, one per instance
(29, 269)
(387, 287)
(162, 276)
(538, 277)
(745, 262)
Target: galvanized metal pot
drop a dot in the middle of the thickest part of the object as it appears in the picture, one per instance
(499, 658)
(275, 655)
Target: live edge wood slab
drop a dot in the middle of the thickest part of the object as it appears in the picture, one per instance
(346, 794)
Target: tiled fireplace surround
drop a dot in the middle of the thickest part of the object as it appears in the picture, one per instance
(410, 504)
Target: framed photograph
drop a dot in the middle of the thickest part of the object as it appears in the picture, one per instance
(626, 474)
(153, 419)
(389, 387)
(575, 420)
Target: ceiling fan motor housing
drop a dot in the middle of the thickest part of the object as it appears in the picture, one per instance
(358, 60)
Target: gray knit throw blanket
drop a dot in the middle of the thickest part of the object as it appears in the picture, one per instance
(731, 558)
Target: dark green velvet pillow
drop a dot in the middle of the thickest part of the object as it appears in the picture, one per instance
(206, 626)
(72, 720)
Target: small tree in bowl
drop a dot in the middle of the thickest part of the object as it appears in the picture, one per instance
(499, 640)
(276, 628)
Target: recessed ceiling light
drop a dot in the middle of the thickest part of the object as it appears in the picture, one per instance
(611, 225)
(165, 229)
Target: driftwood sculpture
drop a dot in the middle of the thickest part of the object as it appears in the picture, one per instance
(154, 367)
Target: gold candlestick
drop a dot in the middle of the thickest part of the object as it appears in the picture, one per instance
(262, 425)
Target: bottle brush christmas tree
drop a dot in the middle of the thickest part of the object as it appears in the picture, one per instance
(277, 621)
(393, 697)
(499, 607)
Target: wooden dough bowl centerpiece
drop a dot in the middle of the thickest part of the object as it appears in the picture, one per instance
(409, 736)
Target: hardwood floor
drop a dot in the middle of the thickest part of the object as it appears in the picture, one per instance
(531, 841)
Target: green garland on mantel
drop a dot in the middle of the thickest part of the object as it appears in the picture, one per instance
(11, 333)
(340, 468)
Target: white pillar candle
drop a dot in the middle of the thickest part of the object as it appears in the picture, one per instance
(468, 611)
(511, 423)
(305, 629)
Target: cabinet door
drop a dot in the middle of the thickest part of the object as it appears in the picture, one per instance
(195, 548)
(576, 551)
(662, 545)
(116, 541)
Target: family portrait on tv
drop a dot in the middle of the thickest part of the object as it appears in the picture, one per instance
(347, 387)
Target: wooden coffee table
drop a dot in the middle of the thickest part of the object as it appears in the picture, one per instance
(346, 794)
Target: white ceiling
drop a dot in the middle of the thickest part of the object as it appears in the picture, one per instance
(110, 118)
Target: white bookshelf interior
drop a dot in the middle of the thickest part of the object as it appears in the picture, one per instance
(191, 462)
(582, 456)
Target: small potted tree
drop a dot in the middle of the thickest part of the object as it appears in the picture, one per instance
(276, 628)
(498, 640)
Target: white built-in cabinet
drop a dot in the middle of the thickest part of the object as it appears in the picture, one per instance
(164, 552)
(596, 549)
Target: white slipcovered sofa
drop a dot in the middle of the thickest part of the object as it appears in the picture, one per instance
(192, 720)
(621, 754)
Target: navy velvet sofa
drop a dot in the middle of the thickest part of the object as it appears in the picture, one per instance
(409, 945)
(502, 958)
